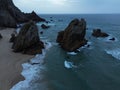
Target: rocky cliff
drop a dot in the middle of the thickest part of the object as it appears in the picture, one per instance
(10, 15)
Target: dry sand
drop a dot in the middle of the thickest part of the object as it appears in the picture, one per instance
(10, 62)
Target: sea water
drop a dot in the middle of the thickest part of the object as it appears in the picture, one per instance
(96, 67)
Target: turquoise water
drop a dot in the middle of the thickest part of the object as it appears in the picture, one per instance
(96, 69)
(93, 68)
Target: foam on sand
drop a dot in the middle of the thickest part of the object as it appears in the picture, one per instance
(32, 71)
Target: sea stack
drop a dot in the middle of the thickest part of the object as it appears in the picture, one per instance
(99, 33)
(27, 41)
(73, 37)
(10, 15)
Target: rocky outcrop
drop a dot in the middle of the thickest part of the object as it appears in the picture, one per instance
(73, 37)
(13, 37)
(33, 16)
(43, 26)
(1, 36)
(27, 41)
(98, 33)
(10, 15)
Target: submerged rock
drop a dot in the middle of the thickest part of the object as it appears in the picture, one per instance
(27, 41)
(41, 32)
(73, 37)
(10, 15)
(43, 26)
(98, 33)
(112, 39)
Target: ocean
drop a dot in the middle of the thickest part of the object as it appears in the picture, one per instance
(92, 68)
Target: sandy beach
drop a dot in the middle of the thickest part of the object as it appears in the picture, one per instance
(10, 62)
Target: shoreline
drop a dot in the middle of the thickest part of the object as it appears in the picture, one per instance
(10, 62)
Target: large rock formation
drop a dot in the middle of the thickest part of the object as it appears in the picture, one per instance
(10, 15)
(27, 41)
(98, 33)
(73, 37)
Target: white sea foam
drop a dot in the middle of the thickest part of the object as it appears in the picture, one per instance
(88, 46)
(48, 24)
(107, 39)
(115, 53)
(69, 65)
(43, 37)
(71, 53)
(31, 69)
(18, 30)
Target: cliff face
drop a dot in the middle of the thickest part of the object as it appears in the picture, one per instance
(10, 15)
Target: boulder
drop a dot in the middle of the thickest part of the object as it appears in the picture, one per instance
(1, 36)
(43, 26)
(73, 37)
(98, 33)
(10, 15)
(13, 37)
(27, 41)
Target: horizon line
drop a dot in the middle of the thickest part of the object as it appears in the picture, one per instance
(78, 13)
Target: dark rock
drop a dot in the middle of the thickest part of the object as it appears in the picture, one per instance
(73, 37)
(47, 22)
(88, 45)
(34, 17)
(41, 32)
(112, 39)
(1, 36)
(98, 33)
(13, 37)
(10, 15)
(27, 41)
(51, 20)
(43, 26)
(34, 63)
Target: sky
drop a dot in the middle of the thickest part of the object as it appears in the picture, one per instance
(69, 6)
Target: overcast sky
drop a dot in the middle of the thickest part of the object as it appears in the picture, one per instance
(69, 6)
